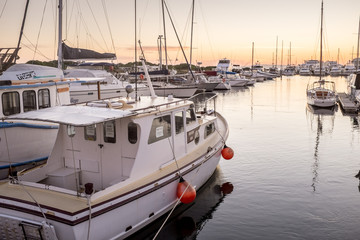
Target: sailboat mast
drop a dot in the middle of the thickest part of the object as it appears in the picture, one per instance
(276, 57)
(135, 63)
(282, 54)
(357, 53)
(252, 57)
(321, 33)
(290, 55)
(163, 13)
(192, 30)
(60, 53)
(22, 29)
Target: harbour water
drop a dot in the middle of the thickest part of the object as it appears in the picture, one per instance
(292, 173)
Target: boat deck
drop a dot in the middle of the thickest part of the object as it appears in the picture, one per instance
(347, 104)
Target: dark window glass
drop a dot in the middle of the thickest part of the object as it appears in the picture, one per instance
(10, 103)
(109, 132)
(209, 129)
(179, 122)
(190, 116)
(132, 133)
(160, 129)
(44, 98)
(29, 100)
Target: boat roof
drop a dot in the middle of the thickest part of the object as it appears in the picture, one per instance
(75, 115)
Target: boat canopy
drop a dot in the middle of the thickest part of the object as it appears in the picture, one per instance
(73, 115)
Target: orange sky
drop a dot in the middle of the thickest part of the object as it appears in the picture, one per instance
(222, 29)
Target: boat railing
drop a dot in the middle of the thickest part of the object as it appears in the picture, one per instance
(204, 103)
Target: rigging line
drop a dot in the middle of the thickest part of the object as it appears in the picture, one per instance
(2, 11)
(97, 24)
(177, 36)
(55, 24)
(184, 34)
(108, 25)
(41, 23)
(32, 49)
(206, 30)
(143, 15)
(173, 152)
(37, 203)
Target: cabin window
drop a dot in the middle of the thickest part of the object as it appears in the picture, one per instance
(44, 98)
(179, 122)
(190, 116)
(132, 133)
(90, 132)
(193, 135)
(70, 130)
(160, 129)
(109, 132)
(209, 129)
(10, 103)
(29, 100)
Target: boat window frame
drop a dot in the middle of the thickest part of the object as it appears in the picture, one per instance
(192, 117)
(133, 132)
(11, 103)
(160, 128)
(207, 131)
(179, 125)
(32, 99)
(87, 132)
(107, 137)
(41, 98)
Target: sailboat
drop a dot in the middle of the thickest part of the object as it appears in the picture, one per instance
(321, 93)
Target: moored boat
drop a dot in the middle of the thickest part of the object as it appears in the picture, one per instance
(115, 163)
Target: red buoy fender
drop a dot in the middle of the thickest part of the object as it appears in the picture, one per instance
(190, 193)
(227, 153)
(141, 76)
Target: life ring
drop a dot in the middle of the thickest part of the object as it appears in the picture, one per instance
(223, 80)
(141, 76)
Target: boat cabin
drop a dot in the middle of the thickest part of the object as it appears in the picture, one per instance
(105, 146)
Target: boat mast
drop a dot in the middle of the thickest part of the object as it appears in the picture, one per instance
(357, 53)
(22, 29)
(282, 53)
(192, 30)
(290, 55)
(163, 13)
(321, 32)
(252, 57)
(60, 53)
(338, 56)
(135, 65)
(276, 52)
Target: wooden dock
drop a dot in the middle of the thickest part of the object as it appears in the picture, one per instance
(347, 104)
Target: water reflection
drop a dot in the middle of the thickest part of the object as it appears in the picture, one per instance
(318, 117)
(189, 219)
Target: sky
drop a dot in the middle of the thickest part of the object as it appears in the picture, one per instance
(222, 29)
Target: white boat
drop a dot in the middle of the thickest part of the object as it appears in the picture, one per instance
(113, 170)
(224, 65)
(234, 79)
(317, 71)
(354, 87)
(335, 71)
(166, 89)
(349, 69)
(321, 94)
(289, 71)
(25, 88)
(109, 87)
(222, 83)
(305, 70)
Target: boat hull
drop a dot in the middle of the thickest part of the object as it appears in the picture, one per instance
(27, 143)
(179, 92)
(127, 213)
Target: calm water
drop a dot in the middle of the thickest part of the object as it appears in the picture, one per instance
(292, 173)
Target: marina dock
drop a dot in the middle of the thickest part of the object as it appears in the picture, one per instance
(347, 104)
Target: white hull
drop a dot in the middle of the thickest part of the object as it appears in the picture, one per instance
(123, 216)
(26, 143)
(238, 82)
(180, 92)
(324, 103)
(223, 86)
(80, 94)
